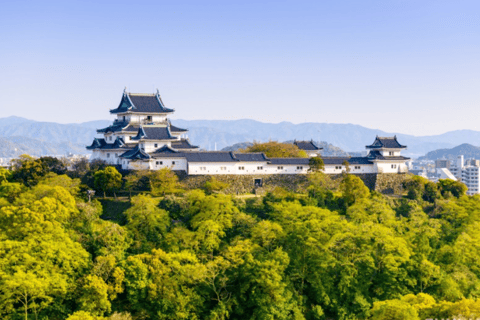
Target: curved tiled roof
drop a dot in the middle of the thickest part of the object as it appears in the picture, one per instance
(135, 153)
(153, 132)
(121, 126)
(306, 145)
(141, 103)
(183, 144)
(386, 142)
(177, 129)
(103, 145)
(376, 155)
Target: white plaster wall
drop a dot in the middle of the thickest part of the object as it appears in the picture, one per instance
(212, 168)
(386, 167)
(179, 165)
(364, 168)
(149, 146)
(386, 152)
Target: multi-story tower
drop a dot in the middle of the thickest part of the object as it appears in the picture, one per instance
(385, 155)
(141, 125)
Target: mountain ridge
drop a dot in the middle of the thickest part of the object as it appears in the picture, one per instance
(218, 134)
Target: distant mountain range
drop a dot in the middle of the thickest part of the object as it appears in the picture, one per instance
(40, 138)
(348, 137)
(465, 149)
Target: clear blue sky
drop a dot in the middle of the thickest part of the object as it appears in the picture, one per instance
(397, 65)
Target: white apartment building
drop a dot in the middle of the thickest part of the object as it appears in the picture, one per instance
(468, 173)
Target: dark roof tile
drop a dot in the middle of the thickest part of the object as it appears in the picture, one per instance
(307, 145)
(141, 103)
(386, 142)
(251, 157)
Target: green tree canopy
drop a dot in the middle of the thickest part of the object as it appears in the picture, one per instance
(274, 149)
(108, 180)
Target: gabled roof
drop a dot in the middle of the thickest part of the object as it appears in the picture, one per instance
(386, 142)
(119, 126)
(154, 132)
(165, 149)
(97, 143)
(252, 157)
(141, 103)
(350, 160)
(102, 144)
(376, 155)
(177, 129)
(135, 153)
(183, 144)
(307, 145)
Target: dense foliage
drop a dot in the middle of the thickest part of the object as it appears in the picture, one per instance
(334, 251)
(274, 149)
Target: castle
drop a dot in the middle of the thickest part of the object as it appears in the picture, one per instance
(142, 137)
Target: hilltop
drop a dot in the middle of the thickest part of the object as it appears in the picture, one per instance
(467, 150)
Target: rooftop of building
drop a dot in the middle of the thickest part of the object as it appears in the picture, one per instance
(386, 142)
(141, 103)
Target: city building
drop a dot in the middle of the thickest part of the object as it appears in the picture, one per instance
(468, 173)
(142, 137)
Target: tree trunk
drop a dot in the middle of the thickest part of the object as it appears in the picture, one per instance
(104, 194)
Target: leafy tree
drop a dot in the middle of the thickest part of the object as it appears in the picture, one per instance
(11, 190)
(346, 164)
(28, 170)
(108, 180)
(136, 180)
(5, 175)
(415, 187)
(353, 189)
(393, 310)
(54, 165)
(146, 222)
(84, 315)
(64, 181)
(456, 188)
(94, 296)
(163, 181)
(274, 149)
(315, 164)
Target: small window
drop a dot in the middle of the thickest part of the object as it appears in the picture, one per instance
(259, 168)
(338, 167)
(299, 168)
(357, 167)
(108, 155)
(280, 167)
(156, 145)
(390, 153)
(159, 163)
(241, 168)
(173, 162)
(394, 166)
(149, 118)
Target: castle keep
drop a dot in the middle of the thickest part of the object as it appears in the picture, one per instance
(142, 137)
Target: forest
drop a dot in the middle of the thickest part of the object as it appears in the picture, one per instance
(146, 247)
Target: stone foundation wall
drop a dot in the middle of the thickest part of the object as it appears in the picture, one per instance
(246, 183)
(386, 183)
(390, 183)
